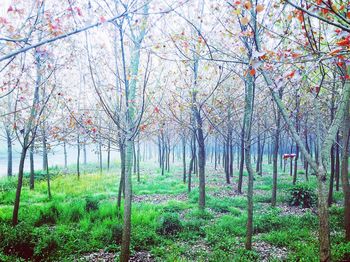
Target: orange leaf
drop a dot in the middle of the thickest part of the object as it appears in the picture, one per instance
(289, 76)
(335, 51)
(252, 72)
(259, 8)
(248, 5)
(245, 20)
(344, 42)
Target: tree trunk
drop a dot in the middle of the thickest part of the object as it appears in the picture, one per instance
(184, 158)
(32, 172)
(122, 174)
(9, 153)
(138, 160)
(248, 114)
(324, 237)
(125, 252)
(241, 164)
(78, 157)
(337, 163)
(201, 163)
(19, 186)
(345, 174)
(109, 154)
(331, 178)
(65, 156)
(275, 155)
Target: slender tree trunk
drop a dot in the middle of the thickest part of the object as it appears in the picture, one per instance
(122, 174)
(19, 186)
(337, 163)
(345, 173)
(231, 155)
(201, 163)
(241, 165)
(331, 178)
(324, 237)
(32, 171)
(65, 156)
(78, 156)
(84, 152)
(191, 164)
(100, 155)
(9, 153)
(275, 155)
(138, 160)
(126, 236)
(109, 154)
(248, 114)
(46, 164)
(48, 180)
(184, 158)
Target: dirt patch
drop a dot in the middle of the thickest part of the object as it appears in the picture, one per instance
(159, 198)
(100, 256)
(226, 193)
(142, 256)
(287, 210)
(268, 252)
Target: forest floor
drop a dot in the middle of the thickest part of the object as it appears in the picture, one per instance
(81, 222)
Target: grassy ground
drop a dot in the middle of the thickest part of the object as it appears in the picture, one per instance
(81, 220)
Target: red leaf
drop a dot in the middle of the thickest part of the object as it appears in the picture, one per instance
(344, 42)
(102, 19)
(252, 72)
(290, 75)
(79, 11)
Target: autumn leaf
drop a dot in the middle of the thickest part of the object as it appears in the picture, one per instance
(247, 5)
(344, 42)
(245, 20)
(252, 72)
(259, 8)
(102, 19)
(334, 52)
(290, 75)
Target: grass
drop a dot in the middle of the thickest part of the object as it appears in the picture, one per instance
(82, 217)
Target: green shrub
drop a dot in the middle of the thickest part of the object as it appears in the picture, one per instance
(144, 237)
(75, 213)
(302, 195)
(47, 216)
(91, 204)
(268, 221)
(117, 232)
(17, 240)
(170, 224)
(200, 214)
(46, 244)
(341, 252)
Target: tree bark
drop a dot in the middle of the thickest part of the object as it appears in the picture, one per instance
(345, 174)
(9, 153)
(248, 114)
(126, 237)
(19, 187)
(32, 171)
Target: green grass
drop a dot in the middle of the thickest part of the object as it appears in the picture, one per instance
(82, 217)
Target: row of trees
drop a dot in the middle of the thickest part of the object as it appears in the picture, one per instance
(219, 81)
